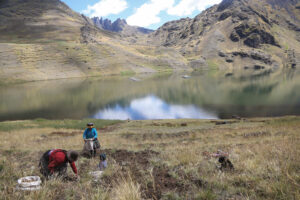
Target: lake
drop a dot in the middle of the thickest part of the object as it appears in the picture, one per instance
(200, 95)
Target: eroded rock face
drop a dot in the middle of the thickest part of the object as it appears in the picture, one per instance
(253, 35)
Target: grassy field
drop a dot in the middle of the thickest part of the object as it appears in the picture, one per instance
(160, 159)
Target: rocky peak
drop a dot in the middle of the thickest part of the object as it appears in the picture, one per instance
(120, 26)
(106, 24)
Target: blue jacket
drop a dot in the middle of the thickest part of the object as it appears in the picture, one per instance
(90, 133)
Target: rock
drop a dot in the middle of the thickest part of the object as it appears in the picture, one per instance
(224, 5)
(254, 35)
(134, 79)
(229, 60)
(261, 56)
(254, 54)
(240, 53)
(234, 37)
(118, 25)
(186, 76)
(258, 67)
(229, 74)
(221, 54)
(253, 41)
(225, 15)
(241, 16)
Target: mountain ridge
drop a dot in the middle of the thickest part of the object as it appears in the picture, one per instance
(119, 25)
(240, 25)
(41, 40)
(45, 39)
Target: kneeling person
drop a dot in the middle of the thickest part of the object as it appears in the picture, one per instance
(56, 161)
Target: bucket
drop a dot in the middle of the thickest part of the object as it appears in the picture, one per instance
(29, 183)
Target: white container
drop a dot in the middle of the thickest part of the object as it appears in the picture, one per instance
(96, 175)
(29, 183)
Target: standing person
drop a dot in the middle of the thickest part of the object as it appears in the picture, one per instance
(56, 161)
(91, 133)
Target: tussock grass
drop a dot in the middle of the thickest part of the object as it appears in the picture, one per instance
(126, 189)
(264, 152)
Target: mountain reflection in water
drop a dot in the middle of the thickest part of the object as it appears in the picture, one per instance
(206, 94)
(151, 107)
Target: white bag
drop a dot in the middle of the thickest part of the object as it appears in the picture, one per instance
(30, 183)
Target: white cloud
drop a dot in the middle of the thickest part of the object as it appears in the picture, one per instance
(148, 13)
(106, 7)
(187, 7)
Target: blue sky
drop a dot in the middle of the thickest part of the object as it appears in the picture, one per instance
(146, 13)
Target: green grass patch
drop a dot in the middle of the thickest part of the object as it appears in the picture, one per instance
(44, 123)
(127, 73)
(212, 65)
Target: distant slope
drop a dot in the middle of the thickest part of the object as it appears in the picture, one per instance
(120, 26)
(238, 33)
(45, 39)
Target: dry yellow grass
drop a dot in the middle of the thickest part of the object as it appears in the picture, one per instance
(163, 159)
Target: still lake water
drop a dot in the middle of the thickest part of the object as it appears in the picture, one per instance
(205, 95)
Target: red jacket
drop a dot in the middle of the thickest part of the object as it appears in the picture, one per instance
(57, 158)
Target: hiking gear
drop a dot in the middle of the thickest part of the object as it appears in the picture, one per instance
(90, 133)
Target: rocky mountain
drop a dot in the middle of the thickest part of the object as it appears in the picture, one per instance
(120, 26)
(237, 33)
(45, 39)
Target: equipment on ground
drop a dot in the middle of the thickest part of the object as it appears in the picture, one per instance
(29, 183)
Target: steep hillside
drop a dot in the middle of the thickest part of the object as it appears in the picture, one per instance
(120, 26)
(238, 33)
(45, 39)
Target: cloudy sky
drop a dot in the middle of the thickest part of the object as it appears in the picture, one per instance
(145, 13)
